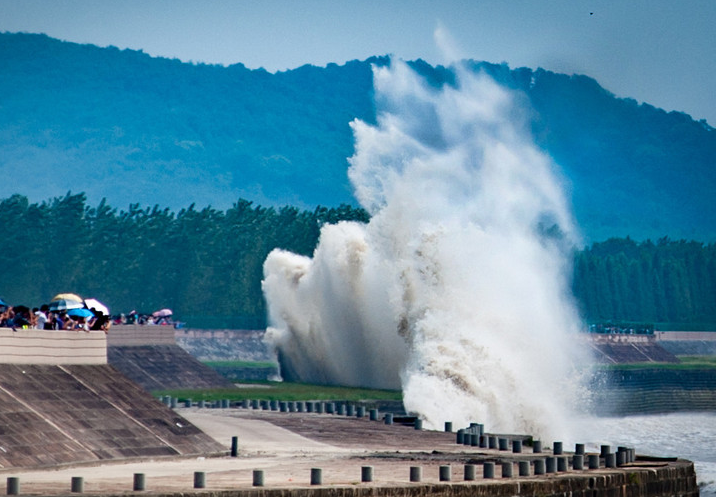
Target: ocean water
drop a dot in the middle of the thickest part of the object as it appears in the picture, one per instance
(689, 436)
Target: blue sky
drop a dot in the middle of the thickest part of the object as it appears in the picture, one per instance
(659, 51)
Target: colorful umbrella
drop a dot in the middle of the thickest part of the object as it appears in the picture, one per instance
(162, 313)
(64, 305)
(67, 296)
(97, 305)
(81, 313)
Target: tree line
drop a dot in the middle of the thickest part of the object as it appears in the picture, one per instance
(206, 264)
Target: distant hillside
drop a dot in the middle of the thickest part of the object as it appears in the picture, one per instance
(123, 125)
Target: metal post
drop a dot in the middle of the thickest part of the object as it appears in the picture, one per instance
(536, 446)
(562, 463)
(258, 478)
(373, 414)
(579, 449)
(550, 464)
(389, 418)
(199, 479)
(593, 461)
(316, 476)
(557, 448)
(448, 426)
(507, 469)
(578, 461)
(524, 468)
(488, 470)
(418, 424)
(539, 467)
(469, 472)
(234, 446)
(503, 442)
(445, 473)
(517, 446)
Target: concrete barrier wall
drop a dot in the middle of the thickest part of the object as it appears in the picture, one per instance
(135, 335)
(52, 347)
(707, 336)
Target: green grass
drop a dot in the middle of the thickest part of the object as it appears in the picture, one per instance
(270, 390)
(240, 364)
(687, 363)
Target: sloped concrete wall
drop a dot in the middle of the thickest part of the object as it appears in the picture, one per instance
(133, 335)
(52, 347)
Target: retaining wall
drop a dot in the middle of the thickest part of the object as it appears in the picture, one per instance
(52, 347)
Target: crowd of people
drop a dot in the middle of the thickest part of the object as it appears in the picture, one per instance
(21, 317)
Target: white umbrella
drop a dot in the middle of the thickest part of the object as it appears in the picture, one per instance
(97, 306)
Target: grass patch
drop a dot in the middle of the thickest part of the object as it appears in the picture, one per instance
(240, 364)
(687, 363)
(276, 390)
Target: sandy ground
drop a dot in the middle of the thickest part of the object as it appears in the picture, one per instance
(284, 445)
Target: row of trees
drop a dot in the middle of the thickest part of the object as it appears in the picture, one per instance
(207, 263)
(667, 281)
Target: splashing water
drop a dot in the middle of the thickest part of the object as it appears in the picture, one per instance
(457, 289)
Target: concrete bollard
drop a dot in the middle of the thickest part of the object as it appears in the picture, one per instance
(474, 439)
(557, 448)
(507, 469)
(503, 443)
(273, 405)
(202, 404)
(291, 404)
(138, 482)
(418, 424)
(536, 447)
(320, 407)
(492, 442)
(366, 474)
(416, 474)
(254, 404)
(234, 446)
(300, 406)
(199, 479)
(483, 441)
(283, 406)
(488, 470)
(444, 474)
(578, 461)
(77, 485)
(389, 418)
(341, 410)
(258, 478)
(330, 407)
(310, 406)
(579, 449)
(621, 456)
(360, 412)
(605, 449)
(350, 410)
(610, 460)
(593, 461)
(460, 436)
(245, 403)
(265, 405)
(316, 476)
(448, 426)
(524, 468)
(469, 473)
(539, 467)
(373, 414)
(516, 446)
(174, 402)
(562, 464)
(550, 464)
(13, 485)
(187, 403)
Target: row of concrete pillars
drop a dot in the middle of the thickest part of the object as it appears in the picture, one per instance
(534, 467)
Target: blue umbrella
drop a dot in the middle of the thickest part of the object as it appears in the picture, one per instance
(3, 303)
(82, 313)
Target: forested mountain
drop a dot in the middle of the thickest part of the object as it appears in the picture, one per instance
(206, 264)
(121, 125)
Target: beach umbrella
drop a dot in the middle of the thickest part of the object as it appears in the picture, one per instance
(97, 305)
(64, 305)
(81, 313)
(162, 313)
